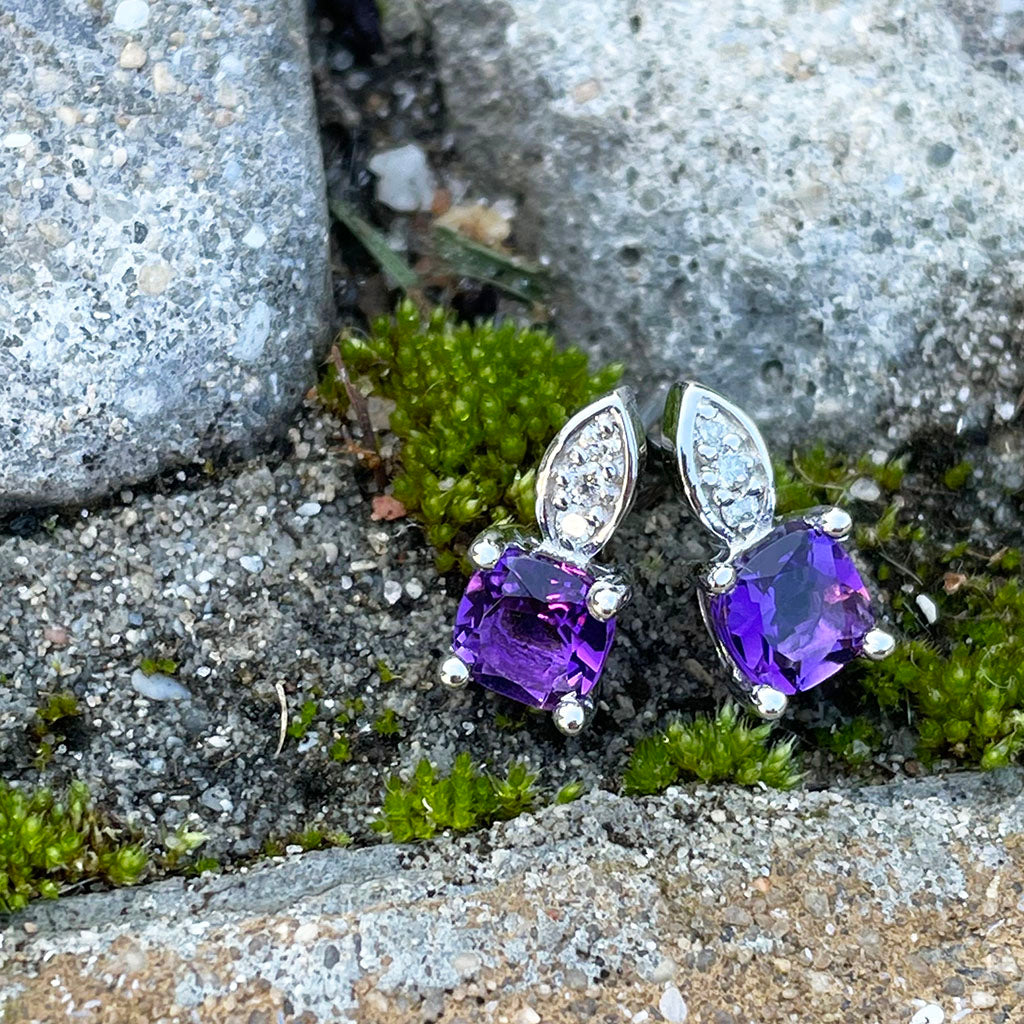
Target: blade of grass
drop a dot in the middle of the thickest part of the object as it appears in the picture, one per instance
(376, 245)
(471, 259)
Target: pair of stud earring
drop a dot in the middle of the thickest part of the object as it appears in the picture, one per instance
(783, 600)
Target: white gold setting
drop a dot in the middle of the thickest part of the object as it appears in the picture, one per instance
(454, 672)
(586, 485)
(727, 479)
(588, 476)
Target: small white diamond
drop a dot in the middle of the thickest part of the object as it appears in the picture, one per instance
(741, 513)
(574, 526)
(734, 471)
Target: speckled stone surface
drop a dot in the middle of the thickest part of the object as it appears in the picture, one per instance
(893, 903)
(163, 237)
(815, 208)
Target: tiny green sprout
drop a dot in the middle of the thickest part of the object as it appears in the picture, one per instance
(475, 407)
(385, 672)
(466, 798)
(508, 723)
(180, 843)
(204, 865)
(299, 726)
(340, 750)
(49, 842)
(570, 792)
(854, 742)
(58, 706)
(957, 476)
(725, 748)
(387, 724)
(158, 666)
(312, 838)
(823, 477)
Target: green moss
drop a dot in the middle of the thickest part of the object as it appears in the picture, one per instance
(385, 672)
(299, 725)
(312, 838)
(961, 683)
(957, 476)
(570, 792)
(340, 750)
(180, 844)
(49, 727)
(854, 742)
(726, 748)
(163, 666)
(48, 842)
(821, 476)
(466, 798)
(508, 723)
(387, 723)
(475, 407)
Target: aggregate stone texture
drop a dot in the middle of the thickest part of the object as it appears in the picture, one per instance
(270, 587)
(899, 902)
(814, 208)
(164, 290)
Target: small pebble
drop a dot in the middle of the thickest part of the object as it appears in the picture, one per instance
(309, 508)
(928, 608)
(983, 1000)
(930, 1014)
(528, 1015)
(392, 591)
(255, 237)
(158, 686)
(404, 179)
(672, 1006)
(865, 489)
(133, 56)
(251, 563)
(131, 14)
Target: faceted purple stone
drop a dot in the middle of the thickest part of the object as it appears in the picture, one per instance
(799, 610)
(524, 630)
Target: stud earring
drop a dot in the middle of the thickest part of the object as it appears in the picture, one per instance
(785, 603)
(537, 619)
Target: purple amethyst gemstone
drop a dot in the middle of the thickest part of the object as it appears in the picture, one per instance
(525, 632)
(798, 612)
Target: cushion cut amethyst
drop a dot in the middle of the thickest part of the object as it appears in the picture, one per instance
(525, 632)
(798, 612)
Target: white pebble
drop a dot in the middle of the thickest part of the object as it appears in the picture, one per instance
(309, 508)
(255, 237)
(865, 489)
(928, 608)
(414, 589)
(158, 686)
(17, 140)
(528, 1015)
(392, 591)
(133, 56)
(251, 563)
(930, 1014)
(673, 1006)
(983, 1000)
(131, 14)
(404, 179)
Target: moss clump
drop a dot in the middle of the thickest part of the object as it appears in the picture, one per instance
(300, 724)
(853, 742)
(820, 476)
(962, 685)
(464, 799)
(52, 724)
(387, 723)
(49, 842)
(161, 666)
(725, 748)
(475, 407)
(312, 838)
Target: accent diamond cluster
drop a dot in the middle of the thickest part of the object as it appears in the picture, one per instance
(587, 482)
(729, 469)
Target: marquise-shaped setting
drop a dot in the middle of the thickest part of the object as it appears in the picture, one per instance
(723, 463)
(587, 479)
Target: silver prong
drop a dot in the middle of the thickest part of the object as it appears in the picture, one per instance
(878, 644)
(606, 598)
(486, 550)
(720, 578)
(454, 672)
(767, 702)
(571, 714)
(835, 522)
